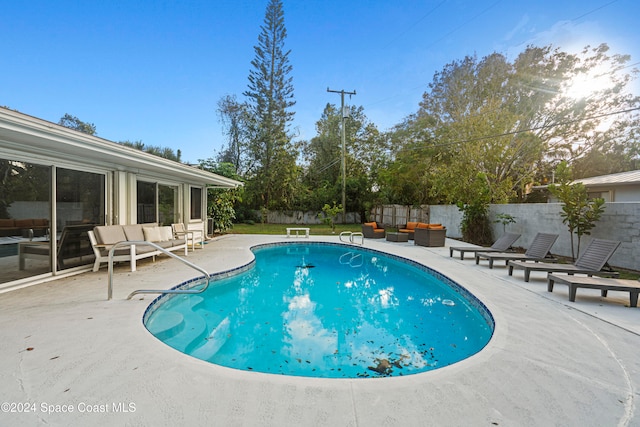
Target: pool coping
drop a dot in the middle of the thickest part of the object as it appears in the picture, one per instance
(463, 292)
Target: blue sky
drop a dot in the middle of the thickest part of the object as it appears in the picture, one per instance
(153, 71)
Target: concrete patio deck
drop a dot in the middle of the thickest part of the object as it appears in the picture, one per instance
(551, 362)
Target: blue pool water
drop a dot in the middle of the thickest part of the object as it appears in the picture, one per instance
(9, 249)
(326, 310)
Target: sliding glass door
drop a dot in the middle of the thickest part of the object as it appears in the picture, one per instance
(157, 203)
(32, 243)
(80, 206)
(167, 204)
(25, 211)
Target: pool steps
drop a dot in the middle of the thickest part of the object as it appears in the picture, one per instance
(216, 339)
(170, 326)
(167, 325)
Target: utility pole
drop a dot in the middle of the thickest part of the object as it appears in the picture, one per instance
(344, 152)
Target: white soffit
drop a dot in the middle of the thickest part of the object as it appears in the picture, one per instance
(23, 133)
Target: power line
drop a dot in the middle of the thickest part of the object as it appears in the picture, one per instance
(414, 24)
(438, 40)
(465, 24)
(482, 138)
(606, 73)
(328, 165)
(594, 10)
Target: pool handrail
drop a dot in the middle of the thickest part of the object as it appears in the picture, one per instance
(207, 276)
(351, 235)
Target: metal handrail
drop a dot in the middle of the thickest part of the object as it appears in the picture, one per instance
(153, 291)
(351, 235)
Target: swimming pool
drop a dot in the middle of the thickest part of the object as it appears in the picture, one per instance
(325, 310)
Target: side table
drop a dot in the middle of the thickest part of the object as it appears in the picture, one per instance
(398, 237)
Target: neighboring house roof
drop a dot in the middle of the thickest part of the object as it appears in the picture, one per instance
(21, 133)
(622, 178)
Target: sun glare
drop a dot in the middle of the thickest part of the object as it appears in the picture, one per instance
(584, 85)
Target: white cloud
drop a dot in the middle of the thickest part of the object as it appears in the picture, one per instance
(518, 28)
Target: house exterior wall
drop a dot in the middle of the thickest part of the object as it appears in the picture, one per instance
(194, 224)
(119, 203)
(620, 221)
(626, 193)
(42, 151)
(131, 212)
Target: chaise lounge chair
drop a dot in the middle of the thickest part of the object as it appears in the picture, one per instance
(604, 284)
(591, 262)
(501, 245)
(538, 251)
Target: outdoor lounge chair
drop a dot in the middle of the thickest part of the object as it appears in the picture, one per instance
(591, 262)
(193, 236)
(538, 251)
(501, 245)
(370, 230)
(604, 284)
(433, 235)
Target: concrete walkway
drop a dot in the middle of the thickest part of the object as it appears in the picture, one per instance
(77, 359)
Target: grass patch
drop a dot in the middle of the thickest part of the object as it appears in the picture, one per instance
(628, 274)
(281, 229)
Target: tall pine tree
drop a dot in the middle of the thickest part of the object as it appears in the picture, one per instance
(270, 98)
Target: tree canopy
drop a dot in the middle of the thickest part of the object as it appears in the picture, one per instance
(72, 122)
(486, 130)
(365, 153)
(509, 123)
(270, 153)
(164, 152)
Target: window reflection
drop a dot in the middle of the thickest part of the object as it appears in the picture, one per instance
(28, 246)
(25, 208)
(80, 202)
(167, 207)
(156, 203)
(146, 196)
(196, 203)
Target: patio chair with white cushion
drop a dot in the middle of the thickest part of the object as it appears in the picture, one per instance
(193, 236)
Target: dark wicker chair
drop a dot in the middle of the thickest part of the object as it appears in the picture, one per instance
(408, 228)
(370, 230)
(429, 236)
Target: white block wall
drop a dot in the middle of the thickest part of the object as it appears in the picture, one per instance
(620, 221)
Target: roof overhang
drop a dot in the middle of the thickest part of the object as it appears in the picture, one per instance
(20, 133)
(605, 181)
